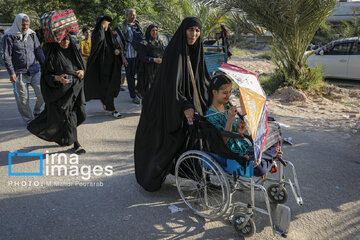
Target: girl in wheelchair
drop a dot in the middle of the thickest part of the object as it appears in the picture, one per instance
(222, 115)
(207, 179)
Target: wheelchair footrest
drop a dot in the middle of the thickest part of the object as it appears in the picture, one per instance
(282, 219)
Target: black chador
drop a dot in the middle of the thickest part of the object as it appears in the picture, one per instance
(162, 130)
(149, 49)
(103, 74)
(64, 103)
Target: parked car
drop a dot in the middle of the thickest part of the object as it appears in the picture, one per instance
(340, 58)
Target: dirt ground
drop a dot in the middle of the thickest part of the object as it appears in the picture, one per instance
(326, 159)
(253, 63)
(338, 109)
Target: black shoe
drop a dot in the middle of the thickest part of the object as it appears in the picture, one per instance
(79, 150)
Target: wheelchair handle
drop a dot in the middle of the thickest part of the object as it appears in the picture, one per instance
(282, 162)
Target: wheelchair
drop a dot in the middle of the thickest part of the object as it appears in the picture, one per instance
(207, 183)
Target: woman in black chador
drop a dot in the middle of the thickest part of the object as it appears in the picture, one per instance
(62, 88)
(151, 52)
(169, 106)
(103, 74)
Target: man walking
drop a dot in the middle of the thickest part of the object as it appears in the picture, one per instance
(21, 50)
(129, 35)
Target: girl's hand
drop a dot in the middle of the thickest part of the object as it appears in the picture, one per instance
(189, 114)
(241, 127)
(279, 154)
(232, 112)
(117, 52)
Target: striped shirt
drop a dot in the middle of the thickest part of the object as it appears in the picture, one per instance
(130, 51)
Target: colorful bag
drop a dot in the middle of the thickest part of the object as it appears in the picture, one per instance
(57, 24)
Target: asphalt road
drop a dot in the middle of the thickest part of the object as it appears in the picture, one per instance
(31, 207)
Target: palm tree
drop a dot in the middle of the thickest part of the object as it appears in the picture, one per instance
(292, 23)
(169, 15)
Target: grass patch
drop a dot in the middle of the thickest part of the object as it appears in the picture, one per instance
(240, 52)
(265, 55)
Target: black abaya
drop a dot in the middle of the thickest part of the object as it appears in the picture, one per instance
(148, 50)
(161, 132)
(64, 103)
(103, 74)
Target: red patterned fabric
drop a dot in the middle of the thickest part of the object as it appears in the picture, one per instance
(57, 24)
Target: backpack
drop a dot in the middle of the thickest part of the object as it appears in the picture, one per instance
(57, 24)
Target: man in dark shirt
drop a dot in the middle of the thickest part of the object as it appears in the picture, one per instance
(22, 50)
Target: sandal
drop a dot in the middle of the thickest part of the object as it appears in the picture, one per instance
(80, 150)
(116, 114)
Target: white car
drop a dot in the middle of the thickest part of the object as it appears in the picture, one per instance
(340, 58)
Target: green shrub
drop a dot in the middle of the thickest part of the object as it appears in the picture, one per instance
(272, 81)
(313, 80)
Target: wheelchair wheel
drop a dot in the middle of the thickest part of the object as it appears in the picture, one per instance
(248, 229)
(202, 184)
(277, 193)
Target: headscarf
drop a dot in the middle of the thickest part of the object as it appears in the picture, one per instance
(15, 29)
(99, 36)
(162, 129)
(99, 20)
(175, 67)
(103, 74)
(148, 31)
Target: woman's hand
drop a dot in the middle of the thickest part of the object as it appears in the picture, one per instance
(80, 74)
(158, 60)
(241, 127)
(189, 114)
(62, 78)
(232, 113)
(117, 52)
